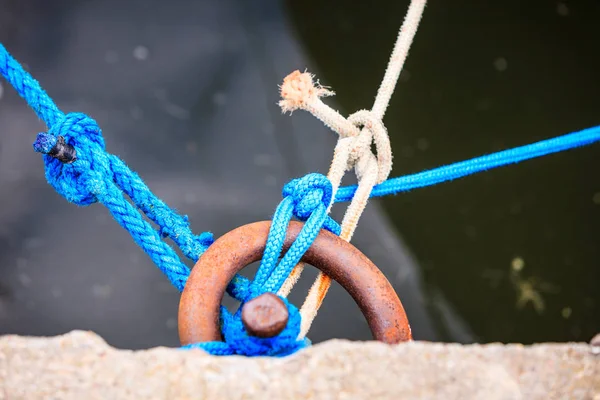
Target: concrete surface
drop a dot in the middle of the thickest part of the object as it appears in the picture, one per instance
(81, 365)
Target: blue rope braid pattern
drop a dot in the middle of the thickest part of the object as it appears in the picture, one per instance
(97, 176)
(307, 199)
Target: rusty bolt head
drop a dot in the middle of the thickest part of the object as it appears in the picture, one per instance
(265, 316)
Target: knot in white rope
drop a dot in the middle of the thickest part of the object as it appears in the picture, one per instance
(299, 91)
(373, 131)
(358, 132)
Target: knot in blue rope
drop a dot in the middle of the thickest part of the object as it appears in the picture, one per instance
(82, 180)
(308, 199)
(310, 193)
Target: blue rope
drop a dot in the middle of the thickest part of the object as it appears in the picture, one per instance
(474, 165)
(307, 199)
(97, 176)
(79, 168)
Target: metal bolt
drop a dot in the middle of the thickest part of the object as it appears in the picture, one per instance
(63, 151)
(265, 316)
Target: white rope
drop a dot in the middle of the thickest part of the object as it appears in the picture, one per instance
(353, 150)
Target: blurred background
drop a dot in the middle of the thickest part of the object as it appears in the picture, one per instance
(186, 93)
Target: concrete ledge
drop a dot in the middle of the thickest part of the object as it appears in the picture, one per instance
(80, 365)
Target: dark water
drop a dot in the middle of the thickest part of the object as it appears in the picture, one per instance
(186, 93)
(485, 76)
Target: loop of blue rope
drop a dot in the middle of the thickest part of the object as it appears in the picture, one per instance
(307, 199)
(79, 168)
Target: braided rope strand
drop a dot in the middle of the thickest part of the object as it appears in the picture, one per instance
(307, 199)
(28, 88)
(465, 168)
(406, 35)
(97, 176)
(172, 225)
(147, 238)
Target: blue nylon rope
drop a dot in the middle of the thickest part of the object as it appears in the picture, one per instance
(479, 164)
(307, 199)
(97, 176)
(92, 175)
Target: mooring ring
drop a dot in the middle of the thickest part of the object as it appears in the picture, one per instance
(199, 307)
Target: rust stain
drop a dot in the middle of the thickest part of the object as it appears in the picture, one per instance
(324, 283)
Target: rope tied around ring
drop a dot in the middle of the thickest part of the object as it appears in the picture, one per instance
(307, 199)
(357, 134)
(353, 149)
(80, 169)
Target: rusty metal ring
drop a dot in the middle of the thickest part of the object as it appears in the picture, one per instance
(201, 299)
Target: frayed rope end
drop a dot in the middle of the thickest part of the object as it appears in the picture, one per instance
(299, 89)
(44, 143)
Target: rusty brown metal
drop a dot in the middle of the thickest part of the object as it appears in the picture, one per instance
(265, 316)
(201, 299)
